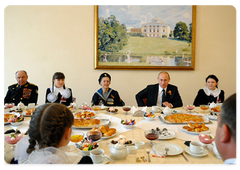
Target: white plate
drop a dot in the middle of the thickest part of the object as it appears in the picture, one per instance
(174, 149)
(106, 137)
(105, 160)
(133, 141)
(212, 117)
(204, 153)
(104, 122)
(171, 136)
(176, 111)
(196, 133)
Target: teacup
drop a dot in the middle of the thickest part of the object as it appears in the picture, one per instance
(97, 155)
(154, 108)
(196, 147)
(31, 105)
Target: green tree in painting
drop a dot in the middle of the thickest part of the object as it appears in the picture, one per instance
(181, 31)
(112, 35)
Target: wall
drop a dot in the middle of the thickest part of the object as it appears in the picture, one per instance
(46, 39)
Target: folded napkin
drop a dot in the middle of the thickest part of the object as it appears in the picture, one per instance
(136, 112)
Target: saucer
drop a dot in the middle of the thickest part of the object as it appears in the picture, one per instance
(204, 153)
(105, 160)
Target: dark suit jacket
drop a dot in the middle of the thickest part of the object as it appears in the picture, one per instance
(151, 93)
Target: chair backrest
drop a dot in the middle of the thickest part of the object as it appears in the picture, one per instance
(145, 101)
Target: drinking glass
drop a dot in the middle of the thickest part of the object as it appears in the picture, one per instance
(204, 108)
(151, 135)
(96, 108)
(126, 109)
(94, 135)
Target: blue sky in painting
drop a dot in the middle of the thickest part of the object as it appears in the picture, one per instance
(136, 15)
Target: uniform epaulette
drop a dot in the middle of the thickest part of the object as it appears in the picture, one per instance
(13, 85)
(32, 84)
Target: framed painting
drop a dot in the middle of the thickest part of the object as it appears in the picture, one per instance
(156, 37)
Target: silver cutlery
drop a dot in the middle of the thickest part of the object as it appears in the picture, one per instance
(184, 157)
(148, 151)
(166, 150)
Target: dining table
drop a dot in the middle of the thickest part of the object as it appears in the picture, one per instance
(181, 137)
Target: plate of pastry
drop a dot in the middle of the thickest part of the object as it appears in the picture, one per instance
(196, 128)
(89, 123)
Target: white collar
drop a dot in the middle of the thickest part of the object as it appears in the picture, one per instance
(160, 89)
(209, 92)
(230, 161)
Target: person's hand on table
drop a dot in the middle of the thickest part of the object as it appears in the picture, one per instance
(166, 104)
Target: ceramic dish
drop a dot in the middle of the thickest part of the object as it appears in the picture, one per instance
(204, 153)
(174, 149)
(195, 133)
(107, 137)
(171, 135)
(105, 160)
(127, 139)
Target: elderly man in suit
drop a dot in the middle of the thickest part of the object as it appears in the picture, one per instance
(162, 94)
(226, 131)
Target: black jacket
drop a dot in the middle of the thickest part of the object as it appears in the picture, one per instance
(151, 94)
(27, 93)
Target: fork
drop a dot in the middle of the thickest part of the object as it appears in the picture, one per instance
(166, 150)
(148, 151)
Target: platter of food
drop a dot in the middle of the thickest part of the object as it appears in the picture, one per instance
(183, 119)
(28, 112)
(85, 114)
(106, 131)
(112, 110)
(196, 128)
(8, 116)
(166, 134)
(213, 115)
(90, 123)
(123, 140)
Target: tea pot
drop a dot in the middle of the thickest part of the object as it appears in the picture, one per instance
(212, 105)
(7, 154)
(215, 150)
(21, 106)
(118, 151)
(167, 111)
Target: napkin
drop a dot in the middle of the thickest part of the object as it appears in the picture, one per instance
(136, 112)
(153, 152)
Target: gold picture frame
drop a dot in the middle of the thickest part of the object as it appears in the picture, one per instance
(176, 52)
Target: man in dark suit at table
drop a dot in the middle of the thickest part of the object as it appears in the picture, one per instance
(22, 91)
(162, 94)
(226, 131)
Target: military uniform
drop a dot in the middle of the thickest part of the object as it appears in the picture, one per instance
(113, 98)
(27, 93)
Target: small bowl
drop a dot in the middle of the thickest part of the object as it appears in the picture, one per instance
(140, 144)
(9, 105)
(16, 123)
(128, 126)
(87, 153)
(9, 140)
(190, 107)
(149, 118)
(132, 149)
